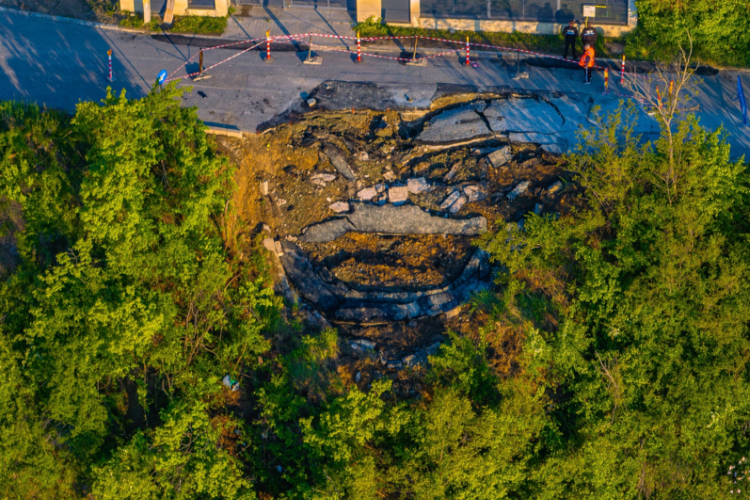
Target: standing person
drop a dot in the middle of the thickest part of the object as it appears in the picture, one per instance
(571, 33)
(587, 62)
(588, 35)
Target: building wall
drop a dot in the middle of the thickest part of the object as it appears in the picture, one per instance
(181, 8)
(370, 8)
(367, 9)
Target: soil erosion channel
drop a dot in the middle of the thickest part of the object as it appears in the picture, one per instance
(371, 217)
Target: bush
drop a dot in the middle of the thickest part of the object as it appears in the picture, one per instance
(720, 30)
(199, 24)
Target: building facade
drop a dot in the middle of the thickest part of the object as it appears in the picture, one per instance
(611, 17)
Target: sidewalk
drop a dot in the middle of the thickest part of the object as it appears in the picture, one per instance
(291, 21)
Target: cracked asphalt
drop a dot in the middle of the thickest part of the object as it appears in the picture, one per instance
(59, 64)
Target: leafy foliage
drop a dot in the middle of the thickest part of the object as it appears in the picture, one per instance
(122, 311)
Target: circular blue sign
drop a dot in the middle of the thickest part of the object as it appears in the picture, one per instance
(161, 76)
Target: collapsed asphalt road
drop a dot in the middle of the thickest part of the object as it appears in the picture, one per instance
(59, 64)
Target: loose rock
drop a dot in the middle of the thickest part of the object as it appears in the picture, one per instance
(458, 204)
(417, 185)
(367, 194)
(398, 194)
(339, 162)
(554, 188)
(339, 206)
(450, 200)
(474, 193)
(500, 157)
(324, 177)
(518, 190)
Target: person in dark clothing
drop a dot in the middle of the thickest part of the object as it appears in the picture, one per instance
(588, 35)
(571, 33)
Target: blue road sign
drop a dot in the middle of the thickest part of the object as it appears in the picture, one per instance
(161, 77)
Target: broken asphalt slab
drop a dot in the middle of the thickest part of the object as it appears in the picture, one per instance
(390, 219)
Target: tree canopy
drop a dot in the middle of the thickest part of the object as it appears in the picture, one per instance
(122, 308)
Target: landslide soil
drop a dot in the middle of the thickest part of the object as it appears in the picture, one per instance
(368, 262)
(380, 148)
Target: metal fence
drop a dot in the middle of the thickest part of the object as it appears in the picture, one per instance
(560, 11)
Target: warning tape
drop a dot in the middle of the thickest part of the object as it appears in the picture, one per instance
(296, 38)
(211, 67)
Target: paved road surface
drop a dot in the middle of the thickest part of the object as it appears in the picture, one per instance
(60, 64)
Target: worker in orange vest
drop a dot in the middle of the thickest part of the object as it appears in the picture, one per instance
(587, 62)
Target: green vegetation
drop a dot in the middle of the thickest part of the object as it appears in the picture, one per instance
(203, 25)
(199, 25)
(123, 306)
(720, 32)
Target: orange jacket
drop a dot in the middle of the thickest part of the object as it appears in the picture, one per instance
(587, 59)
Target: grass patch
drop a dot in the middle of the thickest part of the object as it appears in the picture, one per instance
(546, 44)
(136, 22)
(199, 25)
(202, 25)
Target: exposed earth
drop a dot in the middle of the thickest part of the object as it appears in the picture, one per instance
(370, 218)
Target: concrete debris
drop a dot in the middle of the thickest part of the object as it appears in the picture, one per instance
(450, 200)
(458, 204)
(453, 171)
(518, 190)
(554, 188)
(339, 162)
(364, 156)
(319, 182)
(339, 207)
(538, 209)
(500, 157)
(390, 219)
(278, 248)
(454, 125)
(389, 176)
(398, 194)
(324, 177)
(264, 188)
(280, 202)
(474, 193)
(367, 194)
(525, 115)
(418, 185)
(365, 345)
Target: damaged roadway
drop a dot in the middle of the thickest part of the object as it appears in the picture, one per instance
(249, 95)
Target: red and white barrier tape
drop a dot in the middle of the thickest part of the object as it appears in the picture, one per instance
(217, 64)
(296, 38)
